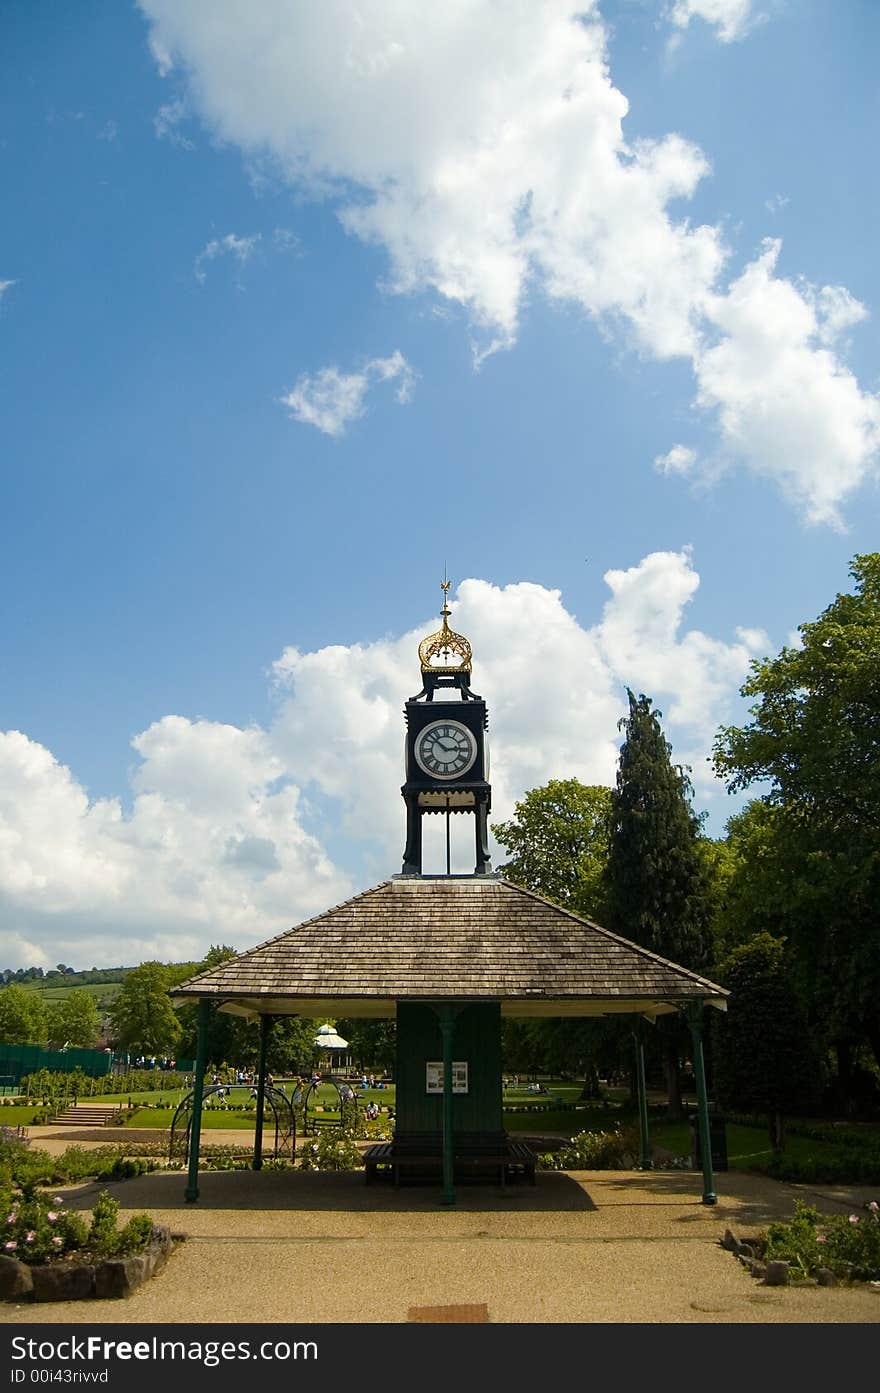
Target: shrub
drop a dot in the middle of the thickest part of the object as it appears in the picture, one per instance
(104, 1230)
(795, 1241)
(37, 1228)
(333, 1150)
(847, 1244)
(610, 1150)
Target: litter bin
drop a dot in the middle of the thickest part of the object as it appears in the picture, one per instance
(717, 1142)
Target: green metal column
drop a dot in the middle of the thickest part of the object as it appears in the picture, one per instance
(646, 1160)
(694, 1015)
(195, 1126)
(265, 1028)
(447, 1030)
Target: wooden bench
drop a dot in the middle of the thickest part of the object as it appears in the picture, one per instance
(414, 1153)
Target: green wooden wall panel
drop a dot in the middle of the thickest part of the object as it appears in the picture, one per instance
(477, 1039)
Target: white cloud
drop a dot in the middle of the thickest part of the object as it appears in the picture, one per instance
(489, 161)
(219, 844)
(241, 248)
(756, 640)
(164, 881)
(784, 400)
(167, 120)
(681, 459)
(481, 155)
(555, 691)
(691, 675)
(330, 400)
(732, 18)
(4, 286)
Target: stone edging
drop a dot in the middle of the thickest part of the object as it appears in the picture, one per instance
(76, 1281)
(772, 1273)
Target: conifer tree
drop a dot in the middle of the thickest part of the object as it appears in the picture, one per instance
(658, 874)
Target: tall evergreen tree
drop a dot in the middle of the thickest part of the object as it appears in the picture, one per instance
(658, 870)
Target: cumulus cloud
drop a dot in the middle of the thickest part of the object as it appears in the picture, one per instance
(783, 398)
(555, 689)
(173, 875)
(732, 19)
(679, 460)
(489, 161)
(241, 248)
(480, 155)
(4, 286)
(330, 400)
(223, 839)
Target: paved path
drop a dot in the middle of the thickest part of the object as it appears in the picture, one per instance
(579, 1247)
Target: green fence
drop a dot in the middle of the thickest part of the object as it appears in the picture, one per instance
(18, 1060)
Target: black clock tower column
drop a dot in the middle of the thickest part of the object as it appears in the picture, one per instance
(447, 755)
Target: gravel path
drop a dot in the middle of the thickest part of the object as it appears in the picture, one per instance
(579, 1247)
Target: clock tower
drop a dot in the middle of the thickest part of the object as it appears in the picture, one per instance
(447, 755)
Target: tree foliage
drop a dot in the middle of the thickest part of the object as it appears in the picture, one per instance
(658, 872)
(814, 742)
(23, 1017)
(141, 1013)
(75, 1021)
(558, 844)
(372, 1044)
(764, 1055)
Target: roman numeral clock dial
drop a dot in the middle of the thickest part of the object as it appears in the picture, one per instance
(445, 750)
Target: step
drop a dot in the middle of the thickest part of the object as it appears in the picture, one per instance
(87, 1117)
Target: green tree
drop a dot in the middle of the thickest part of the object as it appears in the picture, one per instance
(764, 1054)
(813, 742)
(142, 1015)
(373, 1044)
(557, 842)
(75, 1021)
(558, 846)
(659, 886)
(227, 1038)
(23, 1017)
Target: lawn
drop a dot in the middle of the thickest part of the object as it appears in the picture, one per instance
(51, 995)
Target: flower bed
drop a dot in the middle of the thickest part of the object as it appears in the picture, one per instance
(50, 1253)
(74, 1281)
(814, 1248)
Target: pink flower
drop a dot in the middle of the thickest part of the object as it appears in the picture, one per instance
(57, 1242)
(854, 1218)
(57, 1199)
(820, 1238)
(30, 1236)
(51, 1216)
(874, 1207)
(11, 1245)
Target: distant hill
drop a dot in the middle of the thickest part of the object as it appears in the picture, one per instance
(61, 976)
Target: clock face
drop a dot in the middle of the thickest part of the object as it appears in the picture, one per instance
(445, 749)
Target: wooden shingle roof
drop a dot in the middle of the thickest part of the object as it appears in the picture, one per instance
(441, 938)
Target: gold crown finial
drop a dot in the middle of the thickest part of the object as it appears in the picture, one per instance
(445, 649)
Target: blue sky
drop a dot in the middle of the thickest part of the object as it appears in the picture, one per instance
(302, 304)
